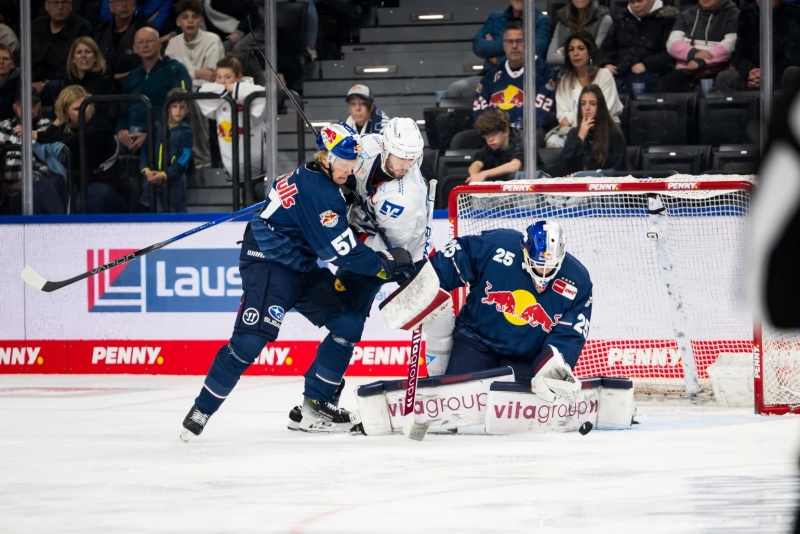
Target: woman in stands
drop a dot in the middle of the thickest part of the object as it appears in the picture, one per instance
(86, 67)
(580, 71)
(105, 191)
(578, 15)
(598, 143)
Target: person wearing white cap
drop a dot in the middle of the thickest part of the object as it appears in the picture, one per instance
(363, 116)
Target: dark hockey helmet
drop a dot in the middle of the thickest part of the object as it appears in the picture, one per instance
(544, 245)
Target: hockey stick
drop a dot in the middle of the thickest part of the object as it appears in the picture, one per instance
(32, 278)
(417, 430)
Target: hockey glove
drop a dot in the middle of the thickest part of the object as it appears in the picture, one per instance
(554, 377)
(395, 261)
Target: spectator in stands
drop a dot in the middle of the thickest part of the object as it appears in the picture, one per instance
(106, 191)
(52, 36)
(597, 143)
(746, 60)
(87, 68)
(636, 49)
(488, 42)
(364, 117)
(153, 78)
(49, 190)
(580, 71)
(702, 41)
(115, 38)
(199, 51)
(578, 15)
(230, 81)
(502, 86)
(233, 20)
(157, 12)
(9, 82)
(7, 36)
(172, 169)
(504, 153)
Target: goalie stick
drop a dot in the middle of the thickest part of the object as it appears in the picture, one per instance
(34, 279)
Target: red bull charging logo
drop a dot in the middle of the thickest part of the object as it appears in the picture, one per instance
(509, 98)
(519, 308)
(331, 137)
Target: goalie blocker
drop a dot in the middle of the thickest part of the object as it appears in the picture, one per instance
(494, 399)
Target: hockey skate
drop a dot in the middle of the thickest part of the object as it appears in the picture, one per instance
(325, 417)
(296, 414)
(193, 424)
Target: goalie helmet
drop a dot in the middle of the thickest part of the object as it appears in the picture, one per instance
(401, 138)
(339, 141)
(544, 245)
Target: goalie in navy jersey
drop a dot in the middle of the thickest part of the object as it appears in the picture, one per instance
(528, 307)
(303, 220)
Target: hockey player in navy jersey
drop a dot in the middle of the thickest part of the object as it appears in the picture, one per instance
(528, 307)
(502, 86)
(303, 220)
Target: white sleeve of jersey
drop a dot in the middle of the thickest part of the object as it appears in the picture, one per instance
(209, 107)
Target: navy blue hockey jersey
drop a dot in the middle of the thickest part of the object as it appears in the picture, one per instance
(502, 88)
(503, 309)
(305, 218)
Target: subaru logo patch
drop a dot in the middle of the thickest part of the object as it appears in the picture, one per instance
(276, 312)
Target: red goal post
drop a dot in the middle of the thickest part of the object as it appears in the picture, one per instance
(667, 261)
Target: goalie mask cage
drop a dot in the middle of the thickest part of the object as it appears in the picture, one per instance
(666, 258)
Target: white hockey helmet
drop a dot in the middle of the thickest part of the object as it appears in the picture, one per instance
(401, 138)
(544, 245)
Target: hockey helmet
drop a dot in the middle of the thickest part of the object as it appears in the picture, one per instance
(340, 141)
(544, 245)
(402, 139)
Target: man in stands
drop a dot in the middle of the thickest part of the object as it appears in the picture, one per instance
(153, 78)
(364, 117)
(488, 44)
(502, 86)
(702, 41)
(636, 49)
(746, 61)
(52, 36)
(504, 152)
(199, 52)
(115, 38)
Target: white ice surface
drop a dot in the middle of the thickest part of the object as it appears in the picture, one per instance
(108, 459)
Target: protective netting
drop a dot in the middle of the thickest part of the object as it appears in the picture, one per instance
(668, 283)
(781, 367)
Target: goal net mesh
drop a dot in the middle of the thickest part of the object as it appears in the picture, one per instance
(667, 287)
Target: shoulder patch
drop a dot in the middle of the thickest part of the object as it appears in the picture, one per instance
(328, 219)
(565, 289)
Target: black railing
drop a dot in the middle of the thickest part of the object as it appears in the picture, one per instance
(234, 133)
(82, 144)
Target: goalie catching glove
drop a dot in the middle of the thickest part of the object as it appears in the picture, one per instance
(554, 377)
(395, 261)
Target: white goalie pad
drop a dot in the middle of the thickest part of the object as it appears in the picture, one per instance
(417, 299)
(606, 403)
(442, 402)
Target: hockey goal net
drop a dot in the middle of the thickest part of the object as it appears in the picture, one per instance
(667, 262)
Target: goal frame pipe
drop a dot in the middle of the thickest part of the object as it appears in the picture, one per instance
(611, 187)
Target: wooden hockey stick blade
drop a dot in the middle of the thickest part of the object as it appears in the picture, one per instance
(34, 279)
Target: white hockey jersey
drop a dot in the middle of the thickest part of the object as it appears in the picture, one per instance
(220, 111)
(398, 206)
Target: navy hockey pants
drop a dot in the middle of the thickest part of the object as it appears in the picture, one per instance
(470, 355)
(270, 291)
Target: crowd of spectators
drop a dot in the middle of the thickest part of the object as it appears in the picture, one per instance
(594, 57)
(586, 61)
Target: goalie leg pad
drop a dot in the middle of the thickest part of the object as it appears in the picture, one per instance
(439, 343)
(442, 402)
(616, 407)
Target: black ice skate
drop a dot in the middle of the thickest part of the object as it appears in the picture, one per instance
(325, 417)
(296, 414)
(194, 423)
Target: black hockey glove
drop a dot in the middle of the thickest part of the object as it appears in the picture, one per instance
(395, 261)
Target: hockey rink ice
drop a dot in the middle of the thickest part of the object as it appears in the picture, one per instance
(101, 454)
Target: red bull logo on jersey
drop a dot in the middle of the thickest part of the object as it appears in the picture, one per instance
(509, 98)
(520, 308)
(328, 219)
